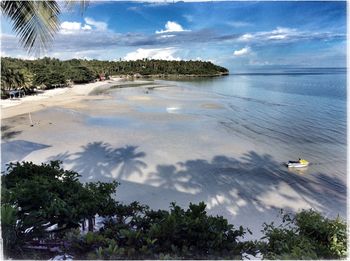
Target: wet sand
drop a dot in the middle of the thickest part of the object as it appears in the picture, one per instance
(165, 145)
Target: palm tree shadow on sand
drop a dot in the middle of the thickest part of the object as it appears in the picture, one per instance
(7, 133)
(100, 161)
(242, 189)
(128, 160)
(252, 184)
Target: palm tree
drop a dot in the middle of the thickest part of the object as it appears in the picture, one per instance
(11, 79)
(35, 22)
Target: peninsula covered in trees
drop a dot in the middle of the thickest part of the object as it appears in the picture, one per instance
(47, 72)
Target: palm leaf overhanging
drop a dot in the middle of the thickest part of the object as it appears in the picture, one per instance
(35, 22)
(83, 4)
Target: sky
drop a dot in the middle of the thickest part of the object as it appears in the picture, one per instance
(238, 35)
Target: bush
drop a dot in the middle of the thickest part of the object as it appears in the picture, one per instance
(306, 235)
(38, 197)
(136, 232)
(41, 201)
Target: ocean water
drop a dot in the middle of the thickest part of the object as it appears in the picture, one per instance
(299, 111)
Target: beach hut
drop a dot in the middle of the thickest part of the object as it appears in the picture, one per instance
(16, 94)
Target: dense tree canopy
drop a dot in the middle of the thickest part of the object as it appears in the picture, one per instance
(36, 198)
(50, 72)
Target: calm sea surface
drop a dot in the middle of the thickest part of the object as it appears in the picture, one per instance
(300, 112)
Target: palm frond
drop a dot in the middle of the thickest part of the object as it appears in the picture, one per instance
(35, 22)
(70, 4)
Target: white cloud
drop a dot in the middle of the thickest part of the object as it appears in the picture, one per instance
(158, 53)
(26, 57)
(167, 36)
(277, 37)
(101, 26)
(242, 52)
(86, 27)
(246, 38)
(171, 27)
(280, 33)
(239, 24)
(70, 27)
(259, 63)
(3, 53)
(77, 27)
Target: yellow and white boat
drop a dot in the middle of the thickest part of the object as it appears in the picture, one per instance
(301, 163)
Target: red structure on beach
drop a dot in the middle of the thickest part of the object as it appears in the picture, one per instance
(102, 77)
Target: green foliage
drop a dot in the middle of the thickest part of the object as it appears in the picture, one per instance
(50, 72)
(9, 228)
(307, 235)
(329, 235)
(11, 75)
(43, 196)
(80, 74)
(36, 197)
(194, 231)
(134, 231)
(49, 79)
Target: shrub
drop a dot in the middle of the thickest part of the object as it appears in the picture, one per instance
(38, 197)
(41, 201)
(306, 235)
(136, 232)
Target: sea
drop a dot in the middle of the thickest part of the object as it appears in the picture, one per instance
(302, 111)
(289, 114)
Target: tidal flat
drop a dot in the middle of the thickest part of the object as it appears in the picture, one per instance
(176, 142)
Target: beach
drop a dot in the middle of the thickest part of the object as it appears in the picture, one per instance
(164, 143)
(53, 97)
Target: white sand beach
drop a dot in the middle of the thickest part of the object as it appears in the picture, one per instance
(53, 97)
(162, 147)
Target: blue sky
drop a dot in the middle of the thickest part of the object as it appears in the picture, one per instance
(237, 35)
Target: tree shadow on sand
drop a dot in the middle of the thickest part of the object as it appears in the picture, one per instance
(100, 161)
(252, 184)
(242, 189)
(7, 133)
(129, 161)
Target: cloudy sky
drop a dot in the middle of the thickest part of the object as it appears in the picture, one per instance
(237, 35)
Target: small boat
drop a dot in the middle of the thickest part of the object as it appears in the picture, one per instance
(301, 163)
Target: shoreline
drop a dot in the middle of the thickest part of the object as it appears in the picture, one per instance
(54, 97)
(78, 92)
(175, 76)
